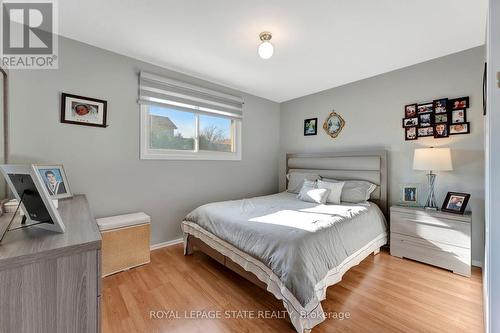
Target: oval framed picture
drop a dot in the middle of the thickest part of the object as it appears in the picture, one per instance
(334, 124)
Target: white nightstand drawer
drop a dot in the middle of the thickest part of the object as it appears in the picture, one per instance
(428, 228)
(434, 237)
(450, 257)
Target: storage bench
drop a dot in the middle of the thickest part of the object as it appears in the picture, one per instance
(125, 242)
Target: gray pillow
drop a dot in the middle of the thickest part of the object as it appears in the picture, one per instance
(310, 193)
(354, 191)
(296, 180)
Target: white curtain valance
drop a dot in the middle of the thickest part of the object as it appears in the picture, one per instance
(162, 91)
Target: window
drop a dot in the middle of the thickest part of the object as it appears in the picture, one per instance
(176, 134)
(180, 121)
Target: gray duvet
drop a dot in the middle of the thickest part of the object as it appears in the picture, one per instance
(299, 241)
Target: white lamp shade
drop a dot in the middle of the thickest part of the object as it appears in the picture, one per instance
(266, 50)
(432, 159)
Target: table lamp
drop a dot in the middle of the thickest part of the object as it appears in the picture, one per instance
(432, 159)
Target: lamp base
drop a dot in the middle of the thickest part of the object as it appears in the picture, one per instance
(430, 203)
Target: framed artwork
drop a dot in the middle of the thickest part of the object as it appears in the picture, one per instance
(440, 105)
(425, 131)
(407, 122)
(81, 110)
(334, 124)
(441, 131)
(311, 126)
(411, 133)
(463, 128)
(458, 116)
(410, 194)
(441, 118)
(455, 202)
(485, 80)
(410, 110)
(425, 119)
(423, 108)
(54, 178)
(459, 103)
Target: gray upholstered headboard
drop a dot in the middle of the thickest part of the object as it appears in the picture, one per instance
(368, 165)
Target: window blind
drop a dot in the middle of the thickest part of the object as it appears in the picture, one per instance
(162, 91)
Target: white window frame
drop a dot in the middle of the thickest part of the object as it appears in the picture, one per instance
(148, 153)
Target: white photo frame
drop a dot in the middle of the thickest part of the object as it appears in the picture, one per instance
(54, 178)
(410, 195)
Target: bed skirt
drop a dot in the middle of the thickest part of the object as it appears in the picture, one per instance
(303, 318)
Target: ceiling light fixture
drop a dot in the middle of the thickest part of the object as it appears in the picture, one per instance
(266, 49)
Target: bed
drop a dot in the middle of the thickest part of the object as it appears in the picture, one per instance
(296, 249)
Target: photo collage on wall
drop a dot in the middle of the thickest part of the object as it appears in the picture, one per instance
(439, 119)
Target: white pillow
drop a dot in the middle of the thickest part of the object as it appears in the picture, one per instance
(310, 193)
(296, 180)
(335, 191)
(354, 191)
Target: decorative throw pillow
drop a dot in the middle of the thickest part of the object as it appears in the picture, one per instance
(296, 180)
(335, 191)
(310, 193)
(354, 191)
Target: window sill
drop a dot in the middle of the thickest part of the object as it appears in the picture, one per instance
(191, 156)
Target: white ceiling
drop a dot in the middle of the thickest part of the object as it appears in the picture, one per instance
(319, 44)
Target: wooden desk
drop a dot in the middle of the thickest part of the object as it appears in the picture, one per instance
(51, 282)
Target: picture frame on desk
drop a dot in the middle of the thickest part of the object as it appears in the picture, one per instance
(54, 178)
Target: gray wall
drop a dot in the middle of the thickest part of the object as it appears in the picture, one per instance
(104, 163)
(373, 109)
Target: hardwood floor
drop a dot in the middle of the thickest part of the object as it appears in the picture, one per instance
(381, 294)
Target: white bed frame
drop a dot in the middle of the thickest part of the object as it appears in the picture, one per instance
(370, 166)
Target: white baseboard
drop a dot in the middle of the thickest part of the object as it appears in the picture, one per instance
(165, 244)
(477, 263)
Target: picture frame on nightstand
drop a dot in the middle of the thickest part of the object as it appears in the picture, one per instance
(455, 203)
(409, 195)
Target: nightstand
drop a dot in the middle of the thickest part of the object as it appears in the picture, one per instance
(433, 237)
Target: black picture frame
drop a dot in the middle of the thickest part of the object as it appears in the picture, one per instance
(65, 96)
(411, 125)
(444, 134)
(426, 124)
(467, 131)
(407, 129)
(447, 203)
(438, 105)
(306, 122)
(485, 95)
(438, 118)
(420, 131)
(454, 111)
(411, 110)
(425, 107)
(452, 102)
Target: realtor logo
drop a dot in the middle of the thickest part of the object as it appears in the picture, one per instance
(29, 36)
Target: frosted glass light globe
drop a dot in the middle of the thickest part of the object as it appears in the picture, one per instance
(266, 50)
